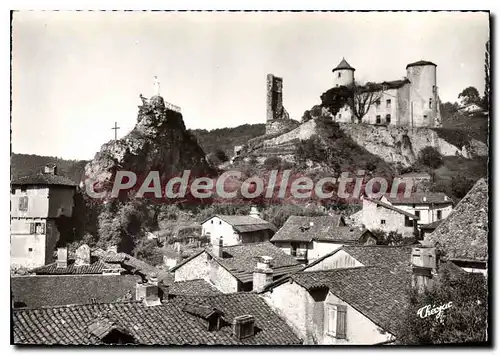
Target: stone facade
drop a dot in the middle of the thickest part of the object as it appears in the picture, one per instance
(378, 217)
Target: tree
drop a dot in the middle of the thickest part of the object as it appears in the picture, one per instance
(363, 97)
(486, 98)
(392, 238)
(469, 95)
(430, 157)
(148, 251)
(464, 321)
(219, 154)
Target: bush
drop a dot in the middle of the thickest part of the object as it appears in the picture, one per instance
(148, 251)
(430, 157)
(392, 238)
(272, 163)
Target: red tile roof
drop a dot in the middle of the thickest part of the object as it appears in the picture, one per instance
(165, 324)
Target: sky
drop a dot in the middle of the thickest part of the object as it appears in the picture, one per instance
(74, 74)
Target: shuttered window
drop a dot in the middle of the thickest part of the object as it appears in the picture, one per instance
(32, 228)
(341, 321)
(23, 203)
(336, 320)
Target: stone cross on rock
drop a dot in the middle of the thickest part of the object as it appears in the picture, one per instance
(116, 128)
(156, 86)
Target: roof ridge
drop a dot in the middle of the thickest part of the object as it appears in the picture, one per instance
(74, 305)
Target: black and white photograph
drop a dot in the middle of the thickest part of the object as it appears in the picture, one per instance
(250, 178)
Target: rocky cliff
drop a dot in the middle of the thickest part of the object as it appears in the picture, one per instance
(158, 142)
(392, 144)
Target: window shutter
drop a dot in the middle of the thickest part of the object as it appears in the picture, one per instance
(341, 321)
(32, 228)
(42, 228)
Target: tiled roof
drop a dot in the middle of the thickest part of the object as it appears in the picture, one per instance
(420, 198)
(343, 65)
(299, 228)
(416, 175)
(392, 208)
(463, 235)
(192, 287)
(96, 267)
(241, 260)
(244, 224)
(385, 85)
(420, 63)
(395, 257)
(378, 293)
(165, 324)
(44, 179)
(39, 291)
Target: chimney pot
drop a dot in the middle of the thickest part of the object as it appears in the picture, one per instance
(50, 169)
(243, 326)
(218, 248)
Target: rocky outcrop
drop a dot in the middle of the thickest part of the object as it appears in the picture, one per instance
(403, 144)
(158, 142)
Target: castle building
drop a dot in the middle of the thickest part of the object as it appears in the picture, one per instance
(37, 201)
(412, 101)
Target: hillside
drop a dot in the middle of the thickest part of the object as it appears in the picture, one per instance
(226, 138)
(27, 164)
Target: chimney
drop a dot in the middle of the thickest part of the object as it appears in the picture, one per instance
(82, 255)
(254, 212)
(62, 258)
(113, 248)
(445, 198)
(311, 223)
(50, 169)
(218, 248)
(148, 292)
(424, 198)
(263, 274)
(424, 266)
(243, 326)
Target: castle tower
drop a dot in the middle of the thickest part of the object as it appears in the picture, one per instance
(424, 99)
(343, 74)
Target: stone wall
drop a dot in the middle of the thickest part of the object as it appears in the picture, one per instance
(281, 126)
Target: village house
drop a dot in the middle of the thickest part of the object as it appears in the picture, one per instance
(379, 215)
(470, 109)
(237, 268)
(462, 238)
(309, 238)
(427, 206)
(356, 294)
(412, 101)
(236, 230)
(232, 319)
(97, 276)
(37, 201)
(341, 306)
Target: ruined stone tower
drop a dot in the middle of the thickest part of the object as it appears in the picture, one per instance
(278, 120)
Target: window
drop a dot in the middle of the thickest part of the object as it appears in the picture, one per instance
(408, 222)
(340, 74)
(340, 115)
(430, 103)
(23, 188)
(382, 221)
(39, 228)
(388, 103)
(413, 205)
(336, 321)
(23, 203)
(12, 191)
(417, 213)
(425, 116)
(378, 118)
(388, 118)
(212, 222)
(220, 222)
(377, 103)
(439, 214)
(30, 249)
